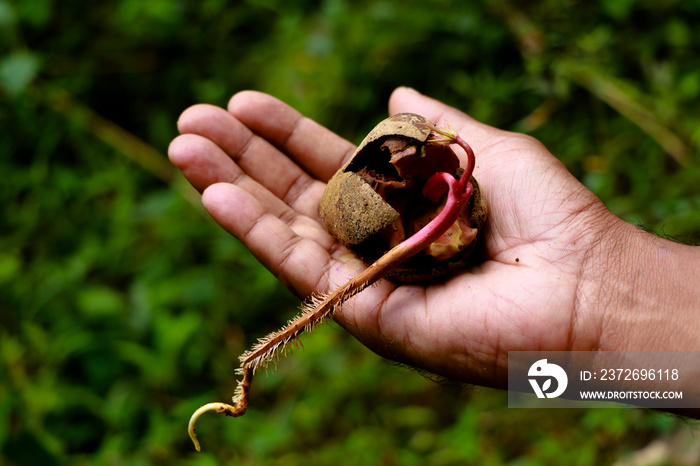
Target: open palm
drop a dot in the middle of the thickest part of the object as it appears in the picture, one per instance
(262, 167)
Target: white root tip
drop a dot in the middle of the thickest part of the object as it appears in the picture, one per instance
(218, 407)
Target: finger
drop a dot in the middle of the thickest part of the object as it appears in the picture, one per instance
(297, 253)
(255, 156)
(317, 150)
(201, 161)
(204, 163)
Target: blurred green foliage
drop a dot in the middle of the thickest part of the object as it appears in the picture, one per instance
(123, 307)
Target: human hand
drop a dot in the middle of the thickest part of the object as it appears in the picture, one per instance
(549, 247)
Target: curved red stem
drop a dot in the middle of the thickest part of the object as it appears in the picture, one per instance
(458, 193)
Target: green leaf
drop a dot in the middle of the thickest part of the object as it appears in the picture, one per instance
(7, 14)
(9, 267)
(17, 71)
(100, 301)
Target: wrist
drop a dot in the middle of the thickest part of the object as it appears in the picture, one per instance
(648, 292)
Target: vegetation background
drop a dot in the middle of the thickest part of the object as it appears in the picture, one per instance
(124, 307)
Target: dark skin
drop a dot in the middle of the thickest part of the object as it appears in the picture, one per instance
(561, 271)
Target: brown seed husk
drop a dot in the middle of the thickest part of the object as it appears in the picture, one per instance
(352, 211)
(355, 214)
